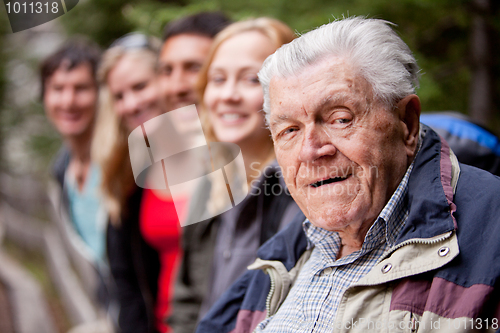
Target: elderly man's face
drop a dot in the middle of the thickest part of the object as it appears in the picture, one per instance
(342, 153)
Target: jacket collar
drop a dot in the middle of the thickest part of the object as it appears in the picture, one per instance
(286, 246)
(430, 190)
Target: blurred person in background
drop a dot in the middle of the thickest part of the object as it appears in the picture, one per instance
(185, 47)
(217, 251)
(70, 94)
(144, 232)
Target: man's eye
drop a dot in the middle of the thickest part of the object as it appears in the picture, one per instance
(343, 120)
(288, 131)
(194, 68)
(166, 71)
(139, 86)
(83, 88)
(341, 117)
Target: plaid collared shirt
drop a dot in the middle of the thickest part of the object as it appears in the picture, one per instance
(312, 303)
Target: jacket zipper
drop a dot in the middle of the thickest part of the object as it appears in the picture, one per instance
(271, 291)
(400, 245)
(269, 295)
(416, 241)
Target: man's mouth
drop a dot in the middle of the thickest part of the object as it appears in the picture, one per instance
(70, 115)
(328, 181)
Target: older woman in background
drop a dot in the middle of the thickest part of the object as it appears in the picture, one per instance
(144, 233)
(217, 251)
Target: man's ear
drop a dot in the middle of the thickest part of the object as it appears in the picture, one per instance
(409, 114)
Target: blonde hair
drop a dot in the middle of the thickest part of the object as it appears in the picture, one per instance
(278, 32)
(110, 143)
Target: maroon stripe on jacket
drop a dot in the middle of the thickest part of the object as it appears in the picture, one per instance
(497, 311)
(441, 297)
(445, 165)
(247, 320)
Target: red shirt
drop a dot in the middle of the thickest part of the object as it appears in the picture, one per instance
(160, 228)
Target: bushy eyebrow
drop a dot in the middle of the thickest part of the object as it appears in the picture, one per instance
(342, 99)
(281, 118)
(330, 100)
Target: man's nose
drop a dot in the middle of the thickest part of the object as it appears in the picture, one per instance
(68, 98)
(317, 143)
(178, 84)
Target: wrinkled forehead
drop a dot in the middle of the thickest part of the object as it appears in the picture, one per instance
(327, 69)
(317, 86)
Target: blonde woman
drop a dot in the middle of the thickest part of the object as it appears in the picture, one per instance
(144, 233)
(218, 250)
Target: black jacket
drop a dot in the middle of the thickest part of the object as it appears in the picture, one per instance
(135, 267)
(199, 240)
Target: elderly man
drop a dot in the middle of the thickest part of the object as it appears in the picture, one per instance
(397, 235)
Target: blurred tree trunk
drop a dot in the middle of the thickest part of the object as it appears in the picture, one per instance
(480, 99)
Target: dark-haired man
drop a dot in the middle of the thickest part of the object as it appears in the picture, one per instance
(187, 42)
(186, 45)
(69, 95)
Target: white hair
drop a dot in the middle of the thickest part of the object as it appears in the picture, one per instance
(374, 50)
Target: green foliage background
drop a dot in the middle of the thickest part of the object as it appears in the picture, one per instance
(438, 31)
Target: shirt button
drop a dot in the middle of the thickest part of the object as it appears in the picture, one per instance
(327, 271)
(226, 254)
